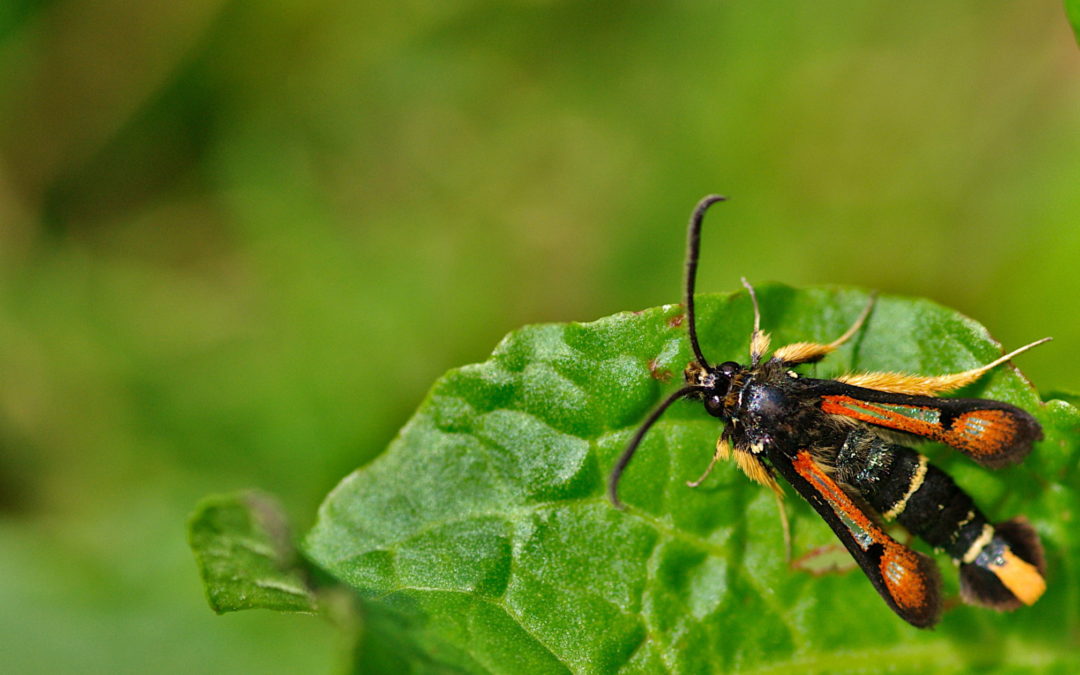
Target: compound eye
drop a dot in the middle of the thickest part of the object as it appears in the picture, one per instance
(728, 368)
(714, 405)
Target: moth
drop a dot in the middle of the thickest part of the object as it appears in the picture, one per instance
(843, 446)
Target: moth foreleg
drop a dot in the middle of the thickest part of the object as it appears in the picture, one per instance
(723, 451)
(812, 352)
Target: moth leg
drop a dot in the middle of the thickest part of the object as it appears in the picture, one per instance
(812, 352)
(756, 470)
(749, 463)
(919, 385)
(759, 340)
(809, 562)
(723, 451)
(779, 496)
(759, 472)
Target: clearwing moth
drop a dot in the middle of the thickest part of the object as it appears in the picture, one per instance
(840, 444)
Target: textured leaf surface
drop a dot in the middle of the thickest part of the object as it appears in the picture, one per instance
(245, 555)
(481, 539)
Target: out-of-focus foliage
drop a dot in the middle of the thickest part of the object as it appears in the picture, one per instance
(238, 241)
(1072, 9)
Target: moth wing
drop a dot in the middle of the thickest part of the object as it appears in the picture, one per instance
(908, 581)
(992, 433)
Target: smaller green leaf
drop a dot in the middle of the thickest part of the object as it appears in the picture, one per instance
(1072, 10)
(246, 555)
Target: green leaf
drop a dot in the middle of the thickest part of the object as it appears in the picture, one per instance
(1072, 10)
(246, 556)
(481, 540)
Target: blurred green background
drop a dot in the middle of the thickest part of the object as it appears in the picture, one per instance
(238, 241)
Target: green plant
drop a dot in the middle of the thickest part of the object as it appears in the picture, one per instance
(481, 540)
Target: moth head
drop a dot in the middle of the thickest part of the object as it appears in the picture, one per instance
(711, 383)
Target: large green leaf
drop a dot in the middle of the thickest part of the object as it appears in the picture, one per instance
(481, 540)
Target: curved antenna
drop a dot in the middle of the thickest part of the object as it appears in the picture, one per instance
(620, 466)
(693, 244)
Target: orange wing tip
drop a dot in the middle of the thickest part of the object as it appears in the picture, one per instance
(913, 583)
(994, 438)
